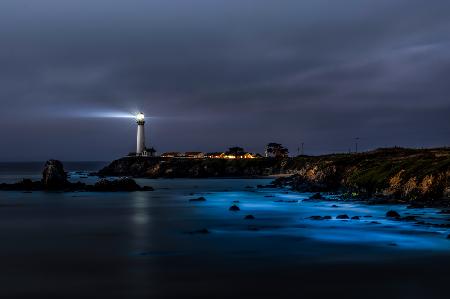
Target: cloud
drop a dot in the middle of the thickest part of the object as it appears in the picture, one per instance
(266, 69)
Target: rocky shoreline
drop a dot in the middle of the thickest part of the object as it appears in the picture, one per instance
(158, 167)
(392, 175)
(419, 178)
(54, 178)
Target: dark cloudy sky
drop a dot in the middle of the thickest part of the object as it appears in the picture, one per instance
(213, 74)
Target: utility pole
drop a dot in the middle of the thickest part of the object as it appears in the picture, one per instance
(356, 144)
(300, 149)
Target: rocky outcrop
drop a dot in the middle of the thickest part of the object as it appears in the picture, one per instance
(156, 167)
(396, 174)
(120, 184)
(392, 174)
(54, 178)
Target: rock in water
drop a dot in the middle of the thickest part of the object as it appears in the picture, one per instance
(392, 214)
(201, 198)
(316, 196)
(320, 217)
(121, 184)
(54, 177)
(234, 208)
(344, 216)
(249, 217)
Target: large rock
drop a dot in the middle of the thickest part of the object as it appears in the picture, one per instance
(316, 196)
(54, 177)
(392, 214)
(121, 184)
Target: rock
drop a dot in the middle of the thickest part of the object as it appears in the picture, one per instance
(355, 218)
(448, 237)
(375, 222)
(344, 216)
(234, 208)
(24, 185)
(320, 217)
(266, 186)
(335, 206)
(316, 196)
(201, 198)
(249, 217)
(121, 184)
(392, 214)
(53, 176)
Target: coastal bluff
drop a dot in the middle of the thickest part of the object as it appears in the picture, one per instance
(397, 174)
(159, 167)
(400, 173)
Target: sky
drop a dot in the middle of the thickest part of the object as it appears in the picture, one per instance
(210, 74)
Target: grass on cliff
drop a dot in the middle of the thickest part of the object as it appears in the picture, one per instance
(373, 170)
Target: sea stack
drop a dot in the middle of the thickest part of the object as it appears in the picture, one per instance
(53, 176)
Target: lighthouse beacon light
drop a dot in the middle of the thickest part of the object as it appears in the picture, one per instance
(140, 117)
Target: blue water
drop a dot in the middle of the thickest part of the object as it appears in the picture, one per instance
(149, 242)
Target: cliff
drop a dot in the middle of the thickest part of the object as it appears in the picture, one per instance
(404, 174)
(156, 167)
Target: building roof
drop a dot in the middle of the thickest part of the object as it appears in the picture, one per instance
(193, 153)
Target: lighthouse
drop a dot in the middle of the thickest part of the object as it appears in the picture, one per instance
(140, 120)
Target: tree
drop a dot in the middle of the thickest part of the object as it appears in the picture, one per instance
(235, 151)
(276, 150)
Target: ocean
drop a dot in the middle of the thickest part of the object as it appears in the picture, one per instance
(162, 245)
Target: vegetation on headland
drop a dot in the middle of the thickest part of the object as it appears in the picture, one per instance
(399, 174)
(391, 173)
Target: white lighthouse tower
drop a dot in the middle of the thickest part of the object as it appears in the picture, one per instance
(140, 120)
